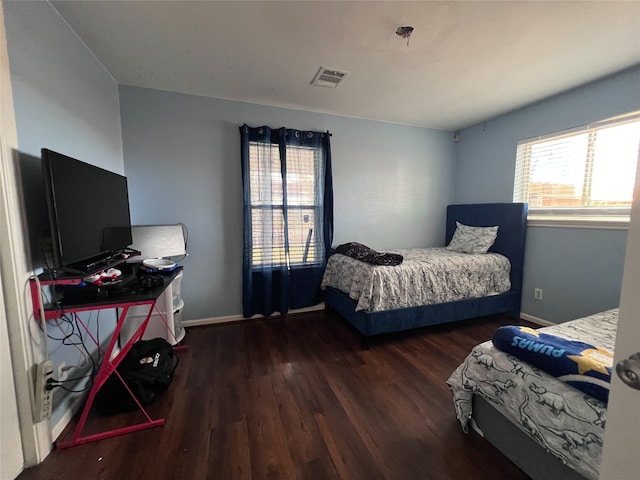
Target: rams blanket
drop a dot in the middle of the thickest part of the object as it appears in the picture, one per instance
(581, 365)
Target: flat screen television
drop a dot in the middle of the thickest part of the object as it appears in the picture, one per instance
(88, 213)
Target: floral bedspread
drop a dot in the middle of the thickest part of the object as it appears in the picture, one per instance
(565, 421)
(427, 276)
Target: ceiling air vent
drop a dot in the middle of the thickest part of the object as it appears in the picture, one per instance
(328, 77)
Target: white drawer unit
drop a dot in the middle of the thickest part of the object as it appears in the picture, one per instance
(166, 318)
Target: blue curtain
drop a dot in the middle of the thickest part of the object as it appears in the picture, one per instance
(288, 217)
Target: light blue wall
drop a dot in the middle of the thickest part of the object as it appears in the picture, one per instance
(580, 270)
(182, 158)
(64, 100)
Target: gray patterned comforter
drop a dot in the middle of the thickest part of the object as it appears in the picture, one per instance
(566, 422)
(427, 276)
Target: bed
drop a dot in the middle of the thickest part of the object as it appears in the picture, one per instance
(511, 220)
(546, 426)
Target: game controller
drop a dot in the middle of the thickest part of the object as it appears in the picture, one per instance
(106, 276)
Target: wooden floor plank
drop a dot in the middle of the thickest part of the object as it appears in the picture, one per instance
(229, 449)
(270, 457)
(296, 397)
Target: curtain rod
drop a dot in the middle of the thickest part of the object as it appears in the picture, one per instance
(245, 125)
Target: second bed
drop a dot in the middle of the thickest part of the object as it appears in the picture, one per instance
(447, 286)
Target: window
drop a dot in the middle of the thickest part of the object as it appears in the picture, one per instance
(303, 203)
(587, 171)
(287, 214)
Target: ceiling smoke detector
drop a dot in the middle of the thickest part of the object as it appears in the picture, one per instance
(328, 77)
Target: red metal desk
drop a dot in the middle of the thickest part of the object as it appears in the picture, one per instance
(108, 366)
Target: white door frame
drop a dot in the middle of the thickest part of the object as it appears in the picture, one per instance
(11, 458)
(620, 457)
(15, 270)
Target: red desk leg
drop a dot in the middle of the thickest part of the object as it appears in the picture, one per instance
(107, 368)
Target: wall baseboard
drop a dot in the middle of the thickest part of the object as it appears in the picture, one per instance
(536, 320)
(239, 318)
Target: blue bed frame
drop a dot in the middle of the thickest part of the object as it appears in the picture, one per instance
(512, 221)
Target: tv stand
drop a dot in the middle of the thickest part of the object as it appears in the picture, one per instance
(92, 266)
(69, 274)
(110, 260)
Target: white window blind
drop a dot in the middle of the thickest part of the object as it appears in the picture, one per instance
(267, 206)
(584, 171)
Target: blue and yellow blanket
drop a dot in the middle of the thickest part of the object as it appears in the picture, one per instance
(581, 365)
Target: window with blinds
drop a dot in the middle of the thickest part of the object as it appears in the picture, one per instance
(300, 243)
(584, 171)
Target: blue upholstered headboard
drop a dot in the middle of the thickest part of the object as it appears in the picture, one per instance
(511, 219)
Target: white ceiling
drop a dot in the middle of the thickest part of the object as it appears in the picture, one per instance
(465, 61)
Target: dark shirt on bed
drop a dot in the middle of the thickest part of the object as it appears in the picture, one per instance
(365, 254)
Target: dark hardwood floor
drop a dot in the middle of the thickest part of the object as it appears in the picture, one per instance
(296, 397)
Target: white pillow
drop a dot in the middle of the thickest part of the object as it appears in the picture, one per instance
(467, 239)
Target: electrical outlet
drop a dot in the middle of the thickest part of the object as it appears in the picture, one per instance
(537, 293)
(43, 396)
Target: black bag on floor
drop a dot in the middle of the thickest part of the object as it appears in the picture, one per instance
(147, 369)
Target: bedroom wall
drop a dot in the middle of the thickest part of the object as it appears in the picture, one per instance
(182, 157)
(580, 270)
(66, 101)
